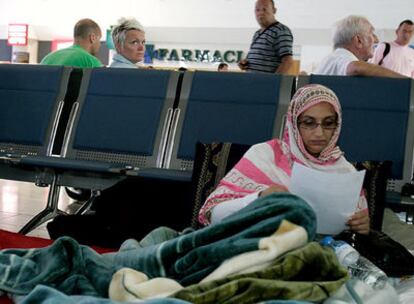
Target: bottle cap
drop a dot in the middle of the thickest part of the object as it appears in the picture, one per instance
(326, 240)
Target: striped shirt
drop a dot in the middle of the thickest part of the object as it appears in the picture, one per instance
(268, 47)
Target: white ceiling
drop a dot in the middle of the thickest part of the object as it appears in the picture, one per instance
(51, 19)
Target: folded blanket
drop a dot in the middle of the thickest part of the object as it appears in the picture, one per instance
(289, 236)
(76, 269)
(191, 257)
(45, 294)
(129, 285)
(311, 273)
(64, 265)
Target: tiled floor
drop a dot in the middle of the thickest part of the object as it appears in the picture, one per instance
(20, 201)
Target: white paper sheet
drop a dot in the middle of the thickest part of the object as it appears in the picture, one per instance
(333, 196)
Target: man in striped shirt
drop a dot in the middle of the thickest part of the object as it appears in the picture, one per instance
(271, 47)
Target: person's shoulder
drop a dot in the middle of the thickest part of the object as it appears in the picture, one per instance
(279, 32)
(341, 51)
(114, 64)
(57, 52)
(344, 53)
(278, 26)
(391, 43)
(335, 63)
(256, 34)
(410, 49)
(91, 61)
(95, 60)
(379, 48)
(124, 65)
(54, 56)
(46, 59)
(267, 145)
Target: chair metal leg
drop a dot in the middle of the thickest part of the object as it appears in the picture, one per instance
(87, 205)
(49, 212)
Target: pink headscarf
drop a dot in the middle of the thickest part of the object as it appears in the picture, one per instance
(271, 162)
(305, 98)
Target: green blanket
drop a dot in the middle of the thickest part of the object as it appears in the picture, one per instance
(310, 273)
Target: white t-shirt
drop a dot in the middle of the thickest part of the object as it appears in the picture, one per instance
(336, 63)
(400, 59)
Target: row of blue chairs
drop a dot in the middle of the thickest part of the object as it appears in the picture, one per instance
(91, 131)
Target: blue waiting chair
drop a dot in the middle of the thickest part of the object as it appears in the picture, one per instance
(378, 119)
(225, 107)
(31, 100)
(117, 128)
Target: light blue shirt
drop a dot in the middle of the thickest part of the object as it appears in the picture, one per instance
(119, 61)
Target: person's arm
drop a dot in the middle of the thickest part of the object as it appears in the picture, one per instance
(363, 68)
(287, 62)
(273, 189)
(243, 64)
(226, 208)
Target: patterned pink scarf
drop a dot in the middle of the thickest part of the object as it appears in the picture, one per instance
(271, 162)
(305, 98)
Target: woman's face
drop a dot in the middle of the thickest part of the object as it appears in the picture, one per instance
(316, 127)
(133, 48)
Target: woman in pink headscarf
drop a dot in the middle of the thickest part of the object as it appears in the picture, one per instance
(312, 129)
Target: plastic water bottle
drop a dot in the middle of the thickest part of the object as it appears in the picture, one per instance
(369, 273)
(346, 254)
(357, 265)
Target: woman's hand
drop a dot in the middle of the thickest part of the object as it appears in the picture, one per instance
(359, 222)
(272, 189)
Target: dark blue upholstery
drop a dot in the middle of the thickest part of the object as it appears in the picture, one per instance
(375, 117)
(232, 107)
(28, 95)
(31, 101)
(121, 111)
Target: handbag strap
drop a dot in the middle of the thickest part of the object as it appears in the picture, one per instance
(386, 51)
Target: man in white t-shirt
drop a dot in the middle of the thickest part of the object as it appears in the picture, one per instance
(353, 43)
(399, 57)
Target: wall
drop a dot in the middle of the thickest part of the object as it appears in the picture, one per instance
(55, 18)
(310, 45)
(31, 48)
(214, 24)
(5, 51)
(44, 49)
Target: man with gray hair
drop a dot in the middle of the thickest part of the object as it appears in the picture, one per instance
(129, 41)
(87, 35)
(353, 46)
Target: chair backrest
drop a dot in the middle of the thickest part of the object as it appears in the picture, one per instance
(71, 97)
(378, 119)
(31, 99)
(122, 116)
(232, 107)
